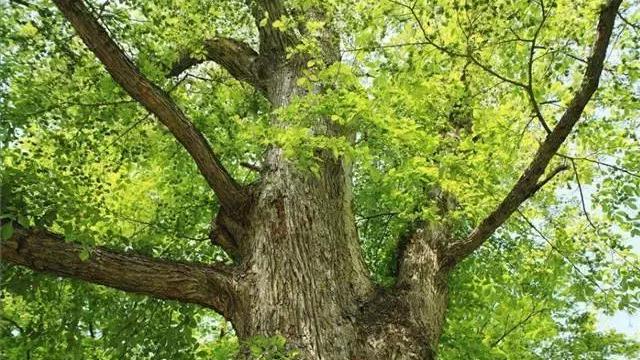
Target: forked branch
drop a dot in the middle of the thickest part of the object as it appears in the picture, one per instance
(273, 41)
(528, 183)
(238, 58)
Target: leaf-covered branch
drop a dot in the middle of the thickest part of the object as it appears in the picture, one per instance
(273, 41)
(528, 183)
(238, 58)
(153, 99)
(209, 286)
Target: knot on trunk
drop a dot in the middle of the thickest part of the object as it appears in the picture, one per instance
(228, 232)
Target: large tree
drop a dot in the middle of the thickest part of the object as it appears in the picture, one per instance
(355, 168)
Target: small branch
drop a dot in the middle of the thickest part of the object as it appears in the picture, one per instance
(21, 2)
(238, 58)
(453, 53)
(13, 322)
(584, 205)
(164, 229)
(127, 130)
(555, 172)
(516, 326)
(529, 89)
(69, 104)
(252, 167)
(636, 27)
(374, 216)
(564, 256)
(614, 167)
(386, 46)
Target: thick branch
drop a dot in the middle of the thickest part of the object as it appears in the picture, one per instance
(422, 278)
(153, 99)
(273, 41)
(528, 183)
(209, 286)
(238, 58)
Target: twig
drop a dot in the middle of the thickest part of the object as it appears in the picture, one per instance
(529, 88)
(614, 167)
(555, 248)
(517, 325)
(584, 205)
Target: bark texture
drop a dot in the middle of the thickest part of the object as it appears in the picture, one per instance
(207, 285)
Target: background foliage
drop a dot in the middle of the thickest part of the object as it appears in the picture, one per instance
(79, 157)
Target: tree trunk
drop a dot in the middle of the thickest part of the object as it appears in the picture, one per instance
(304, 275)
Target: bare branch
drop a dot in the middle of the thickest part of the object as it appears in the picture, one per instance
(636, 27)
(614, 167)
(528, 183)
(563, 255)
(252, 167)
(238, 58)
(454, 53)
(553, 173)
(209, 286)
(584, 204)
(517, 325)
(153, 99)
(532, 51)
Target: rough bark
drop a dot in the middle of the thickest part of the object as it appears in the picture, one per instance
(406, 321)
(305, 273)
(238, 58)
(206, 285)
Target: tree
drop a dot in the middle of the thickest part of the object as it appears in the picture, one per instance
(449, 126)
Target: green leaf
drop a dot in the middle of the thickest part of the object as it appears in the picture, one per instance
(6, 231)
(84, 254)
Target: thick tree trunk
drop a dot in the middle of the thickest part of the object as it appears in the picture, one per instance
(305, 278)
(304, 275)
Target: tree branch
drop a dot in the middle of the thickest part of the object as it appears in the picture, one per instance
(238, 58)
(584, 204)
(532, 51)
(516, 326)
(273, 41)
(154, 99)
(636, 27)
(209, 286)
(528, 183)
(614, 167)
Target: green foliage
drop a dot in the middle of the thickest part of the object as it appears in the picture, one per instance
(79, 157)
